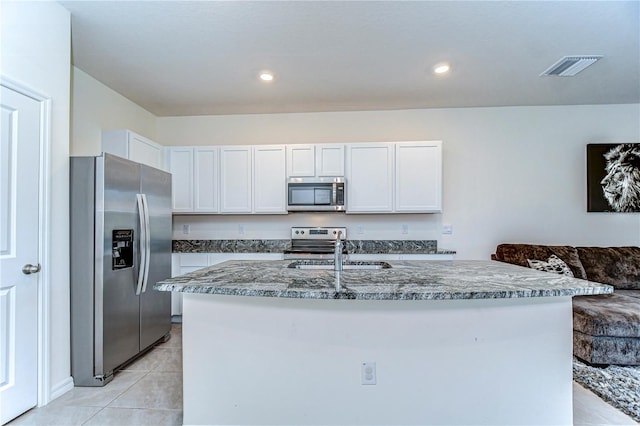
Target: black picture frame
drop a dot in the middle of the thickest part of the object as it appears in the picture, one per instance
(605, 163)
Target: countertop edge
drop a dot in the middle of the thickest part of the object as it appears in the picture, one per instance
(406, 280)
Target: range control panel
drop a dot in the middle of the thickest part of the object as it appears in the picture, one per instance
(318, 233)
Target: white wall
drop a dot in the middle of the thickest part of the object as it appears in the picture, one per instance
(96, 107)
(513, 174)
(36, 41)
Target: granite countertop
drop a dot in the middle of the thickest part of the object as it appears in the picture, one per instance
(405, 280)
(279, 246)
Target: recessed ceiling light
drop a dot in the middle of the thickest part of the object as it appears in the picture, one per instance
(441, 68)
(266, 76)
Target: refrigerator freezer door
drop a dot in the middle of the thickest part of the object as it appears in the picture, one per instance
(155, 306)
(117, 321)
(82, 171)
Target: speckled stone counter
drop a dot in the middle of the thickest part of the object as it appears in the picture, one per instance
(405, 280)
(278, 246)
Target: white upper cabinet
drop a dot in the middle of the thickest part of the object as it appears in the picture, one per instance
(205, 175)
(301, 160)
(418, 177)
(317, 160)
(389, 177)
(235, 179)
(330, 160)
(179, 162)
(194, 180)
(369, 177)
(269, 182)
(399, 177)
(127, 144)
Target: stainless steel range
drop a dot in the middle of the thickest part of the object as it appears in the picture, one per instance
(315, 242)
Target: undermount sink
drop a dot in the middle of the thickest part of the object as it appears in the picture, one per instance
(323, 264)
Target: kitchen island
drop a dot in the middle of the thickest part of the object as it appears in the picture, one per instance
(422, 342)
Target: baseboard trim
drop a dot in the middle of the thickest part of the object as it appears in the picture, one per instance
(61, 388)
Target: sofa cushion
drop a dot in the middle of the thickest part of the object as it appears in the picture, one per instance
(519, 253)
(629, 293)
(617, 266)
(606, 350)
(607, 315)
(554, 264)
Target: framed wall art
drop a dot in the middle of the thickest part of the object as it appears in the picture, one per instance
(613, 177)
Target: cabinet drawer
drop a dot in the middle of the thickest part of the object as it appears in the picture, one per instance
(193, 259)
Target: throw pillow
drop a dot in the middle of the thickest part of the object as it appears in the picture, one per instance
(553, 264)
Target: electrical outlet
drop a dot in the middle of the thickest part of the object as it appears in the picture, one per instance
(405, 229)
(368, 373)
(360, 229)
(241, 229)
(186, 229)
(447, 229)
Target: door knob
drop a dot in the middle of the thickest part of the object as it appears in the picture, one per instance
(30, 269)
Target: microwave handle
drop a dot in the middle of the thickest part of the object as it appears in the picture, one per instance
(334, 194)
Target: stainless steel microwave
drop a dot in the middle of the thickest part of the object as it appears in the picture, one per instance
(316, 194)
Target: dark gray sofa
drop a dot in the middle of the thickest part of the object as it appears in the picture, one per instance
(606, 328)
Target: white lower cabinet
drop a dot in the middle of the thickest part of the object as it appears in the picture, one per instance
(389, 257)
(378, 257)
(183, 263)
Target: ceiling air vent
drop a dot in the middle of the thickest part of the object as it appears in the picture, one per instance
(569, 66)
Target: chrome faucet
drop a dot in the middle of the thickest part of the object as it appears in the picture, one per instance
(337, 263)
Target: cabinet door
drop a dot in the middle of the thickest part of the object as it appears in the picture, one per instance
(301, 161)
(330, 160)
(418, 177)
(127, 144)
(180, 165)
(369, 169)
(269, 182)
(235, 179)
(142, 150)
(183, 263)
(205, 187)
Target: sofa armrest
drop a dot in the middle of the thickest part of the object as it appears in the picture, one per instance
(616, 266)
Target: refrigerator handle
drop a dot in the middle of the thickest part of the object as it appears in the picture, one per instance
(147, 242)
(143, 244)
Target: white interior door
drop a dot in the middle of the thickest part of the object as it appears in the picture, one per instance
(19, 262)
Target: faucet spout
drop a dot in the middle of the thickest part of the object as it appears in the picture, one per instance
(337, 263)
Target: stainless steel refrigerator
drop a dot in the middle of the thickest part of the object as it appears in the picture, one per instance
(120, 229)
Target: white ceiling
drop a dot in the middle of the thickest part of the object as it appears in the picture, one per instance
(199, 58)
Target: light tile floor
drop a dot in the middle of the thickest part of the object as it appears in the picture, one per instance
(149, 392)
(146, 392)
